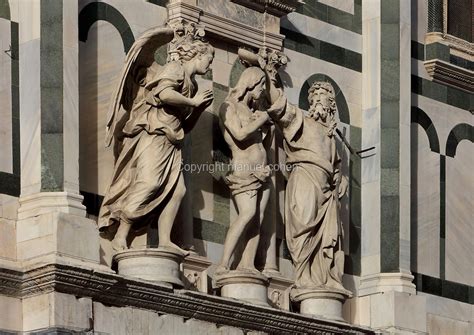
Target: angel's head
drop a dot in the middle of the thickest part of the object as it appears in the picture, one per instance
(198, 53)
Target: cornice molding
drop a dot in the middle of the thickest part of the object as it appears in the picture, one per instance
(115, 290)
(275, 7)
(236, 32)
(449, 74)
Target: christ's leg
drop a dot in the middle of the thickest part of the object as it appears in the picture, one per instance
(248, 256)
(247, 208)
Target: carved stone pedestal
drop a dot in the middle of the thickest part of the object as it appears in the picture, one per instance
(244, 285)
(161, 265)
(195, 273)
(326, 302)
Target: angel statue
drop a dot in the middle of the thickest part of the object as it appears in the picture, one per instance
(153, 107)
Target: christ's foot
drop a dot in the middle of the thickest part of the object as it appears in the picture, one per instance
(119, 244)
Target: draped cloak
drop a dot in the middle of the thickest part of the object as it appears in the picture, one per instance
(148, 167)
(313, 228)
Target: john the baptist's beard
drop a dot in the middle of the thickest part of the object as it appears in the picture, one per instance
(318, 111)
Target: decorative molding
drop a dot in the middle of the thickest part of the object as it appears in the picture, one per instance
(275, 7)
(384, 282)
(119, 291)
(46, 202)
(445, 73)
(225, 28)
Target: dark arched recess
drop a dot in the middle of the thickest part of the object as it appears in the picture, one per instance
(462, 131)
(420, 117)
(96, 11)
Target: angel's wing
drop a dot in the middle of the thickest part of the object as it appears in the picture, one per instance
(139, 58)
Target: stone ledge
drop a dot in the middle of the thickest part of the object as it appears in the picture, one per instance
(275, 7)
(115, 290)
(225, 28)
(449, 74)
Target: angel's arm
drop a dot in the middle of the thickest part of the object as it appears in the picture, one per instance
(169, 96)
(235, 128)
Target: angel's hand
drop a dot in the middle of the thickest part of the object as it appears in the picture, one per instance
(203, 99)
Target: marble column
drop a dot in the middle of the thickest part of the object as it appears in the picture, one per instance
(386, 280)
(51, 217)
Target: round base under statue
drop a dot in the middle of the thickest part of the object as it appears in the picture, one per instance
(246, 285)
(326, 302)
(161, 265)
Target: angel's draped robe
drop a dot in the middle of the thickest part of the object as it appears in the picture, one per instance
(313, 229)
(148, 167)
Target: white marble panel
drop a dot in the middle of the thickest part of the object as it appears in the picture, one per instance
(419, 24)
(8, 207)
(355, 112)
(7, 240)
(323, 31)
(70, 312)
(30, 116)
(370, 60)
(425, 202)
(459, 214)
(29, 20)
(405, 71)
(71, 118)
(112, 320)
(405, 12)
(344, 5)
(70, 23)
(370, 10)
(404, 256)
(371, 264)
(11, 311)
(6, 150)
(447, 307)
(141, 13)
(370, 204)
(438, 325)
(100, 62)
(349, 81)
(370, 165)
(36, 312)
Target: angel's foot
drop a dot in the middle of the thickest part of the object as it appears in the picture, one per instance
(174, 246)
(221, 269)
(119, 243)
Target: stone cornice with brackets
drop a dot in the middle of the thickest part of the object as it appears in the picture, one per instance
(444, 72)
(275, 7)
(449, 74)
(225, 28)
(115, 290)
